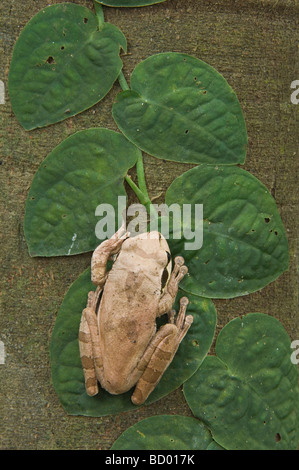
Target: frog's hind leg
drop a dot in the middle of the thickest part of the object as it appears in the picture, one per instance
(89, 344)
(160, 352)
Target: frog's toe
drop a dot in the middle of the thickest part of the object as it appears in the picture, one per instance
(179, 261)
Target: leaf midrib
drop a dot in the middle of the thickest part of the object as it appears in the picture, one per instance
(190, 124)
(245, 381)
(57, 77)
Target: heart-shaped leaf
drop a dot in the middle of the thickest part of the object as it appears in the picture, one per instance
(62, 64)
(244, 241)
(180, 108)
(67, 374)
(129, 3)
(248, 395)
(84, 171)
(166, 433)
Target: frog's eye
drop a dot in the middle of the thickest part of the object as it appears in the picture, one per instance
(164, 279)
(166, 271)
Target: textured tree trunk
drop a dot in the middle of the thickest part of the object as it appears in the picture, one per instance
(253, 43)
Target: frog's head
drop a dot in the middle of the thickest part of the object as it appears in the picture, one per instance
(149, 247)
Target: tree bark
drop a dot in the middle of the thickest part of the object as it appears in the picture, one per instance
(253, 43)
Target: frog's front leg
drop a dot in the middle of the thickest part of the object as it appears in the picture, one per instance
(160, 353)
(89, 344)
(102, 254)
(168, 297)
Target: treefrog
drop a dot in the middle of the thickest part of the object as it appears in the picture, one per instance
(119, 343)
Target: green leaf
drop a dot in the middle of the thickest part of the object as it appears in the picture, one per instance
(62, 64)
(67, 374)
(244, 241)
(129, 3)
(166, 433)
(248, 395)
(85, 170)
(180, 108)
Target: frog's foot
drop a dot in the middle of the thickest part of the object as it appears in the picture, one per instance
(180, 319)
(104, 252)
(115, 242)
(183, 322)
(160, 353)
(178, 272)
(171, 289)
(171, 316)
(93, 298)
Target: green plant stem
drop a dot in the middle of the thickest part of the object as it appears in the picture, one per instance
(141, 191)
(141, 176)
(99, 14)
(123, 82)
(143, 198)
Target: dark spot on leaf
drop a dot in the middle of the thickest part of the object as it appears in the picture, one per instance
(204, 92)
(208, 260)
(32, 199)
(195, 342)
(277, 437)
(195, 78)
(267, 220)
(50, 60)
(62, 48)
(85, 20)
(187, 131)
(276, 233)
(64, 216)
(252, 230)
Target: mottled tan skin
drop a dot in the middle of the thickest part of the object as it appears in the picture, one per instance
(119, 343)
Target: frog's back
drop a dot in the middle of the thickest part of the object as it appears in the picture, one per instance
(127, 317)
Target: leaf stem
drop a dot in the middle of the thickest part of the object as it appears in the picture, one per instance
(143, 198)
(99, 14)
(140, 175)
(123, 82)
